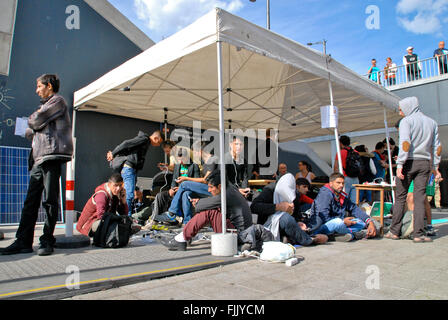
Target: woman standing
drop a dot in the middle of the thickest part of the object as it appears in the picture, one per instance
(305, 171)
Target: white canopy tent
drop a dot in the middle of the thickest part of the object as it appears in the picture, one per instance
(254, 77)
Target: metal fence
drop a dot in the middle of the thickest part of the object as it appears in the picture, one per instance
(14, 180)
(422, 69)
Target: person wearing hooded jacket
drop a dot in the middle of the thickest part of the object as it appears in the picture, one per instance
(420, 151)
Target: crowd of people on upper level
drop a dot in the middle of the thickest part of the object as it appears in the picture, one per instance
(412, 65)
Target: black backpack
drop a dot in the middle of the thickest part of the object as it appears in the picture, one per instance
(353, 164)
(113, 231)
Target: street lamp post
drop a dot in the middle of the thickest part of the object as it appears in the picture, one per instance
(268, 13)
(323, 43)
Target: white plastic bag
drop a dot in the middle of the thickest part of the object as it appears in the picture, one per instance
(275, 251)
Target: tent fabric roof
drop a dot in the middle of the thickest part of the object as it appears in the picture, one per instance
(269, 82)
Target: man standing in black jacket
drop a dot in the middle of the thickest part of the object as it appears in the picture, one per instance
(50, 131)
(129, 156)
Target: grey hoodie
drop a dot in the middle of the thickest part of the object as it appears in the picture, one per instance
(419, 136)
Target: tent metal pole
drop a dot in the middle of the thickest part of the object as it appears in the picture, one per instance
(336, 132)
(389, 154)
(221, 139)
(165, 123)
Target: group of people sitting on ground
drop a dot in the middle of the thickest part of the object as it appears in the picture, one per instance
(283, 210)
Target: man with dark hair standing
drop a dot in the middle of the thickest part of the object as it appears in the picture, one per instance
(351, 173)
(129, 157)
(420, 151)
(50, 131)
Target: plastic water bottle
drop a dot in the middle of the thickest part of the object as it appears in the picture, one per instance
(141, 240)
(291, 262)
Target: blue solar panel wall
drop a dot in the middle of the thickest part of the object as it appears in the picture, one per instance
(14, 180)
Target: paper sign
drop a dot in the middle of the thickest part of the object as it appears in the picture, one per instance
(21, 126)
(329, 117)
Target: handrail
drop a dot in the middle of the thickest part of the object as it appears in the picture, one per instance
(422, 69)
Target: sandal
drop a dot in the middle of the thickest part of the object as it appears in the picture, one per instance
(391, 236)
(422, 239)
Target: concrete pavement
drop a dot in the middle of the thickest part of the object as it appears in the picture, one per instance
(360, 270)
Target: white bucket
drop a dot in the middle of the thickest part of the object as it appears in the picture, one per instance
(224, 245)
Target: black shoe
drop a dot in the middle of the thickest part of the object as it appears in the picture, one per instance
(15, 248)
(174, 245)
(45, 250)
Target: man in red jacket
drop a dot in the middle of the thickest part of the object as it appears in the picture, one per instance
(108, 197)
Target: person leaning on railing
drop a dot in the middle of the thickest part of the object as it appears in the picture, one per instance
(390, 72)
(413, 66)
(374, 72)
(441, 55)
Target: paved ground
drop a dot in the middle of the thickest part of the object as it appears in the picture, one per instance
(345, 271)
(361, 270)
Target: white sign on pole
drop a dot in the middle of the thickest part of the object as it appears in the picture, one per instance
(329, 117)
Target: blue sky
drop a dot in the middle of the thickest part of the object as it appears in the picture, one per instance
(397, 23)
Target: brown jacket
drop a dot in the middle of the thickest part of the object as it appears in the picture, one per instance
(98, 204)
(51, 132)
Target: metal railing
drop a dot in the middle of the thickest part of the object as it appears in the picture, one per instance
(422, 69)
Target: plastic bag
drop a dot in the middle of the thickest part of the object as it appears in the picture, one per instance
(275, 251)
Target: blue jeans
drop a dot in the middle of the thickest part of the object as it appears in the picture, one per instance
(337, 225)
(129, 178)
(349, 189)
(367, 194)
(289, 227)
(181, 205)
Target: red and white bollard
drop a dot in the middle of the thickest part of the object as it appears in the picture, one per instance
(70, 198)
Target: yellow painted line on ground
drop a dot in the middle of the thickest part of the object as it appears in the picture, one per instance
(106, 279)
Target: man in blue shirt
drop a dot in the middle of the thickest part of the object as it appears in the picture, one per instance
(374, 72)
(441, 55)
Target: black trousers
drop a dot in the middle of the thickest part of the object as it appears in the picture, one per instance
(417, 170)
(44, 179)
(162, 202)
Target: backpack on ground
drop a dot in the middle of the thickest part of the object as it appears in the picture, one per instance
(113, 231)
(353, 164)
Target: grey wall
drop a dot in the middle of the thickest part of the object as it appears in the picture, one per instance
(43, 44)
(433, 98)
(99, 133)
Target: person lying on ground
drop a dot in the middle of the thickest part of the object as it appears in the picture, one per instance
(276, 206)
